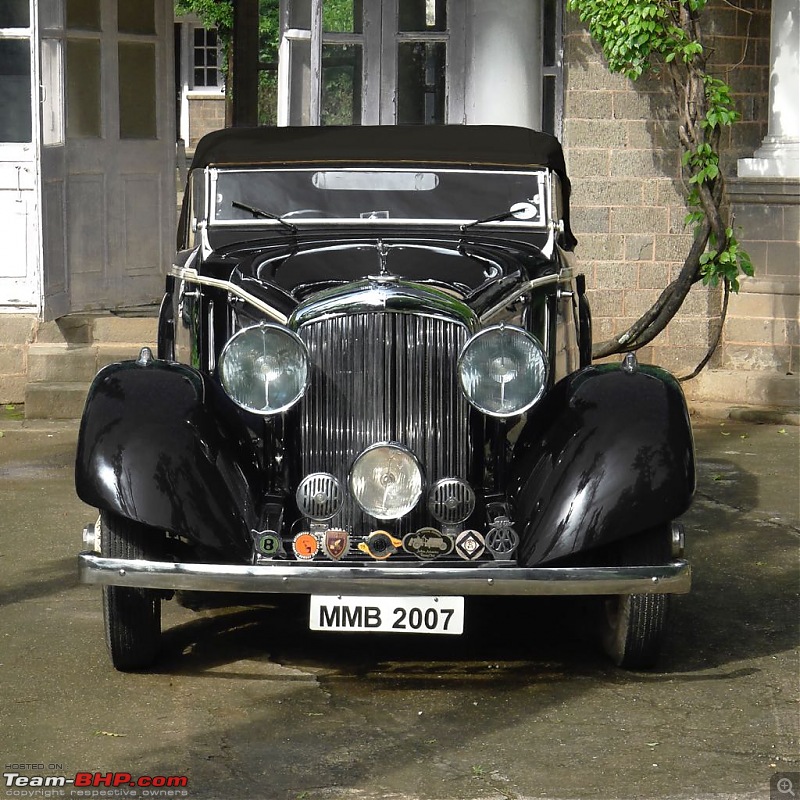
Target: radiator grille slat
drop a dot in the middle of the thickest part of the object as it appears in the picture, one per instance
(384, 377)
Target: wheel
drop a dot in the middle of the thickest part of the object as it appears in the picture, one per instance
(633, 625)
(132, 617)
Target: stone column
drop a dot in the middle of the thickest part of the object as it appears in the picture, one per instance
(779, 154)
(503, 85)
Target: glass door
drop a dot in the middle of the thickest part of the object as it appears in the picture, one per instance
(354, 62)
(19, 280)
(417, 54)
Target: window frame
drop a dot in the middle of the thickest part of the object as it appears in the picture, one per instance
(209, 89)
(380, 39)
(13, 151)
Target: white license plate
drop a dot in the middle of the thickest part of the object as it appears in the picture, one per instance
(387, 614)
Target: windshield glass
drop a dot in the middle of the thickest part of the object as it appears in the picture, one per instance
(376, 195)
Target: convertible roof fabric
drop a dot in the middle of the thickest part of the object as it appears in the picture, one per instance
(441, 144)
(468, 145)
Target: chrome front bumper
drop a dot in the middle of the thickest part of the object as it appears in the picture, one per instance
(386, 580)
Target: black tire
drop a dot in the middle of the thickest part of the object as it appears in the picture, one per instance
(634, 625)
(132, 617)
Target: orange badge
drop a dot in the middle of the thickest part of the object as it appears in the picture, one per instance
(380, 545)
(305, 546)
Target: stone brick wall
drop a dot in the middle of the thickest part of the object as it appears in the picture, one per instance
(623, 157)
(17, 331)
(762, 331)
(206, 113)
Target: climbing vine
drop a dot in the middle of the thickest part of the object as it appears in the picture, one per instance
(664, 38)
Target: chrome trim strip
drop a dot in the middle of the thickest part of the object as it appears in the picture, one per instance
(388, 580)
(315, 222)
(384, 294)
(192, 276)
(534, 283)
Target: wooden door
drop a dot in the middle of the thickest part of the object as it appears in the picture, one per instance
(111, 181)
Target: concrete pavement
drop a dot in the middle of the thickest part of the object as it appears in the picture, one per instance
(248, 704)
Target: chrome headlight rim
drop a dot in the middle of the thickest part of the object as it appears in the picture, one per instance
(502, 326)
(405, 451)
(264, 326)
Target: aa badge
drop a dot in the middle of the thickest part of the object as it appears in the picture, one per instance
(502, 540)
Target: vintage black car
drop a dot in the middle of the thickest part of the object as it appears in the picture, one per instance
(374, 387)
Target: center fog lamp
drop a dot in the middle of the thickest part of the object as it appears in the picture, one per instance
(386, 481)
(264, 368)
(502, 370)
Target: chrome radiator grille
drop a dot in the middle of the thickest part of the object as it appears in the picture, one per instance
(384, 377)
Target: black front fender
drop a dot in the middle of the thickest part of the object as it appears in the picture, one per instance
(161, 444)
(607, 454)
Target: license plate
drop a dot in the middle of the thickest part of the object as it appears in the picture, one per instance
(387, 614)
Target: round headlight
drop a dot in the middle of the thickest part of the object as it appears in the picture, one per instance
(386, 481)
(264, 368)
(502, 370)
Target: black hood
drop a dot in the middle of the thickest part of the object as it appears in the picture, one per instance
(300, 270)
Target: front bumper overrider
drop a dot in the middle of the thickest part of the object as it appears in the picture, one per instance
(385, 579)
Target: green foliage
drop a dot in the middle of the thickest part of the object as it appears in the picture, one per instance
(632, 31)
(720, 111)
(725, 264)
(219, 14)
(213, 13)
(337, 15)
(652, 36)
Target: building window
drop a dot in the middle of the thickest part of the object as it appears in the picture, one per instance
(15, 14)
(552, 71)
(15, 90)
(350, 62)
(332, 49)
(206, 61)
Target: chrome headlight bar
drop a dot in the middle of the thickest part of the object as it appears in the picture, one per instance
(192, 276)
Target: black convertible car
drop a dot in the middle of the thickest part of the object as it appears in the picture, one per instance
(374, 387)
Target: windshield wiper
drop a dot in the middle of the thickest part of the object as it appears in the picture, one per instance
(522, 211)
(259, 212)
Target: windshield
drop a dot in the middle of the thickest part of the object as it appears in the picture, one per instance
(336, 195)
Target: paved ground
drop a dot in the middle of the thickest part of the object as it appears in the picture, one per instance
(247, 704)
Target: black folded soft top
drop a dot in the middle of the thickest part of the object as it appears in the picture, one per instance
(463, 145)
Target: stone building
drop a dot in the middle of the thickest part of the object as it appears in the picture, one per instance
(199, 80)
(621, 149)
(90, 225)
